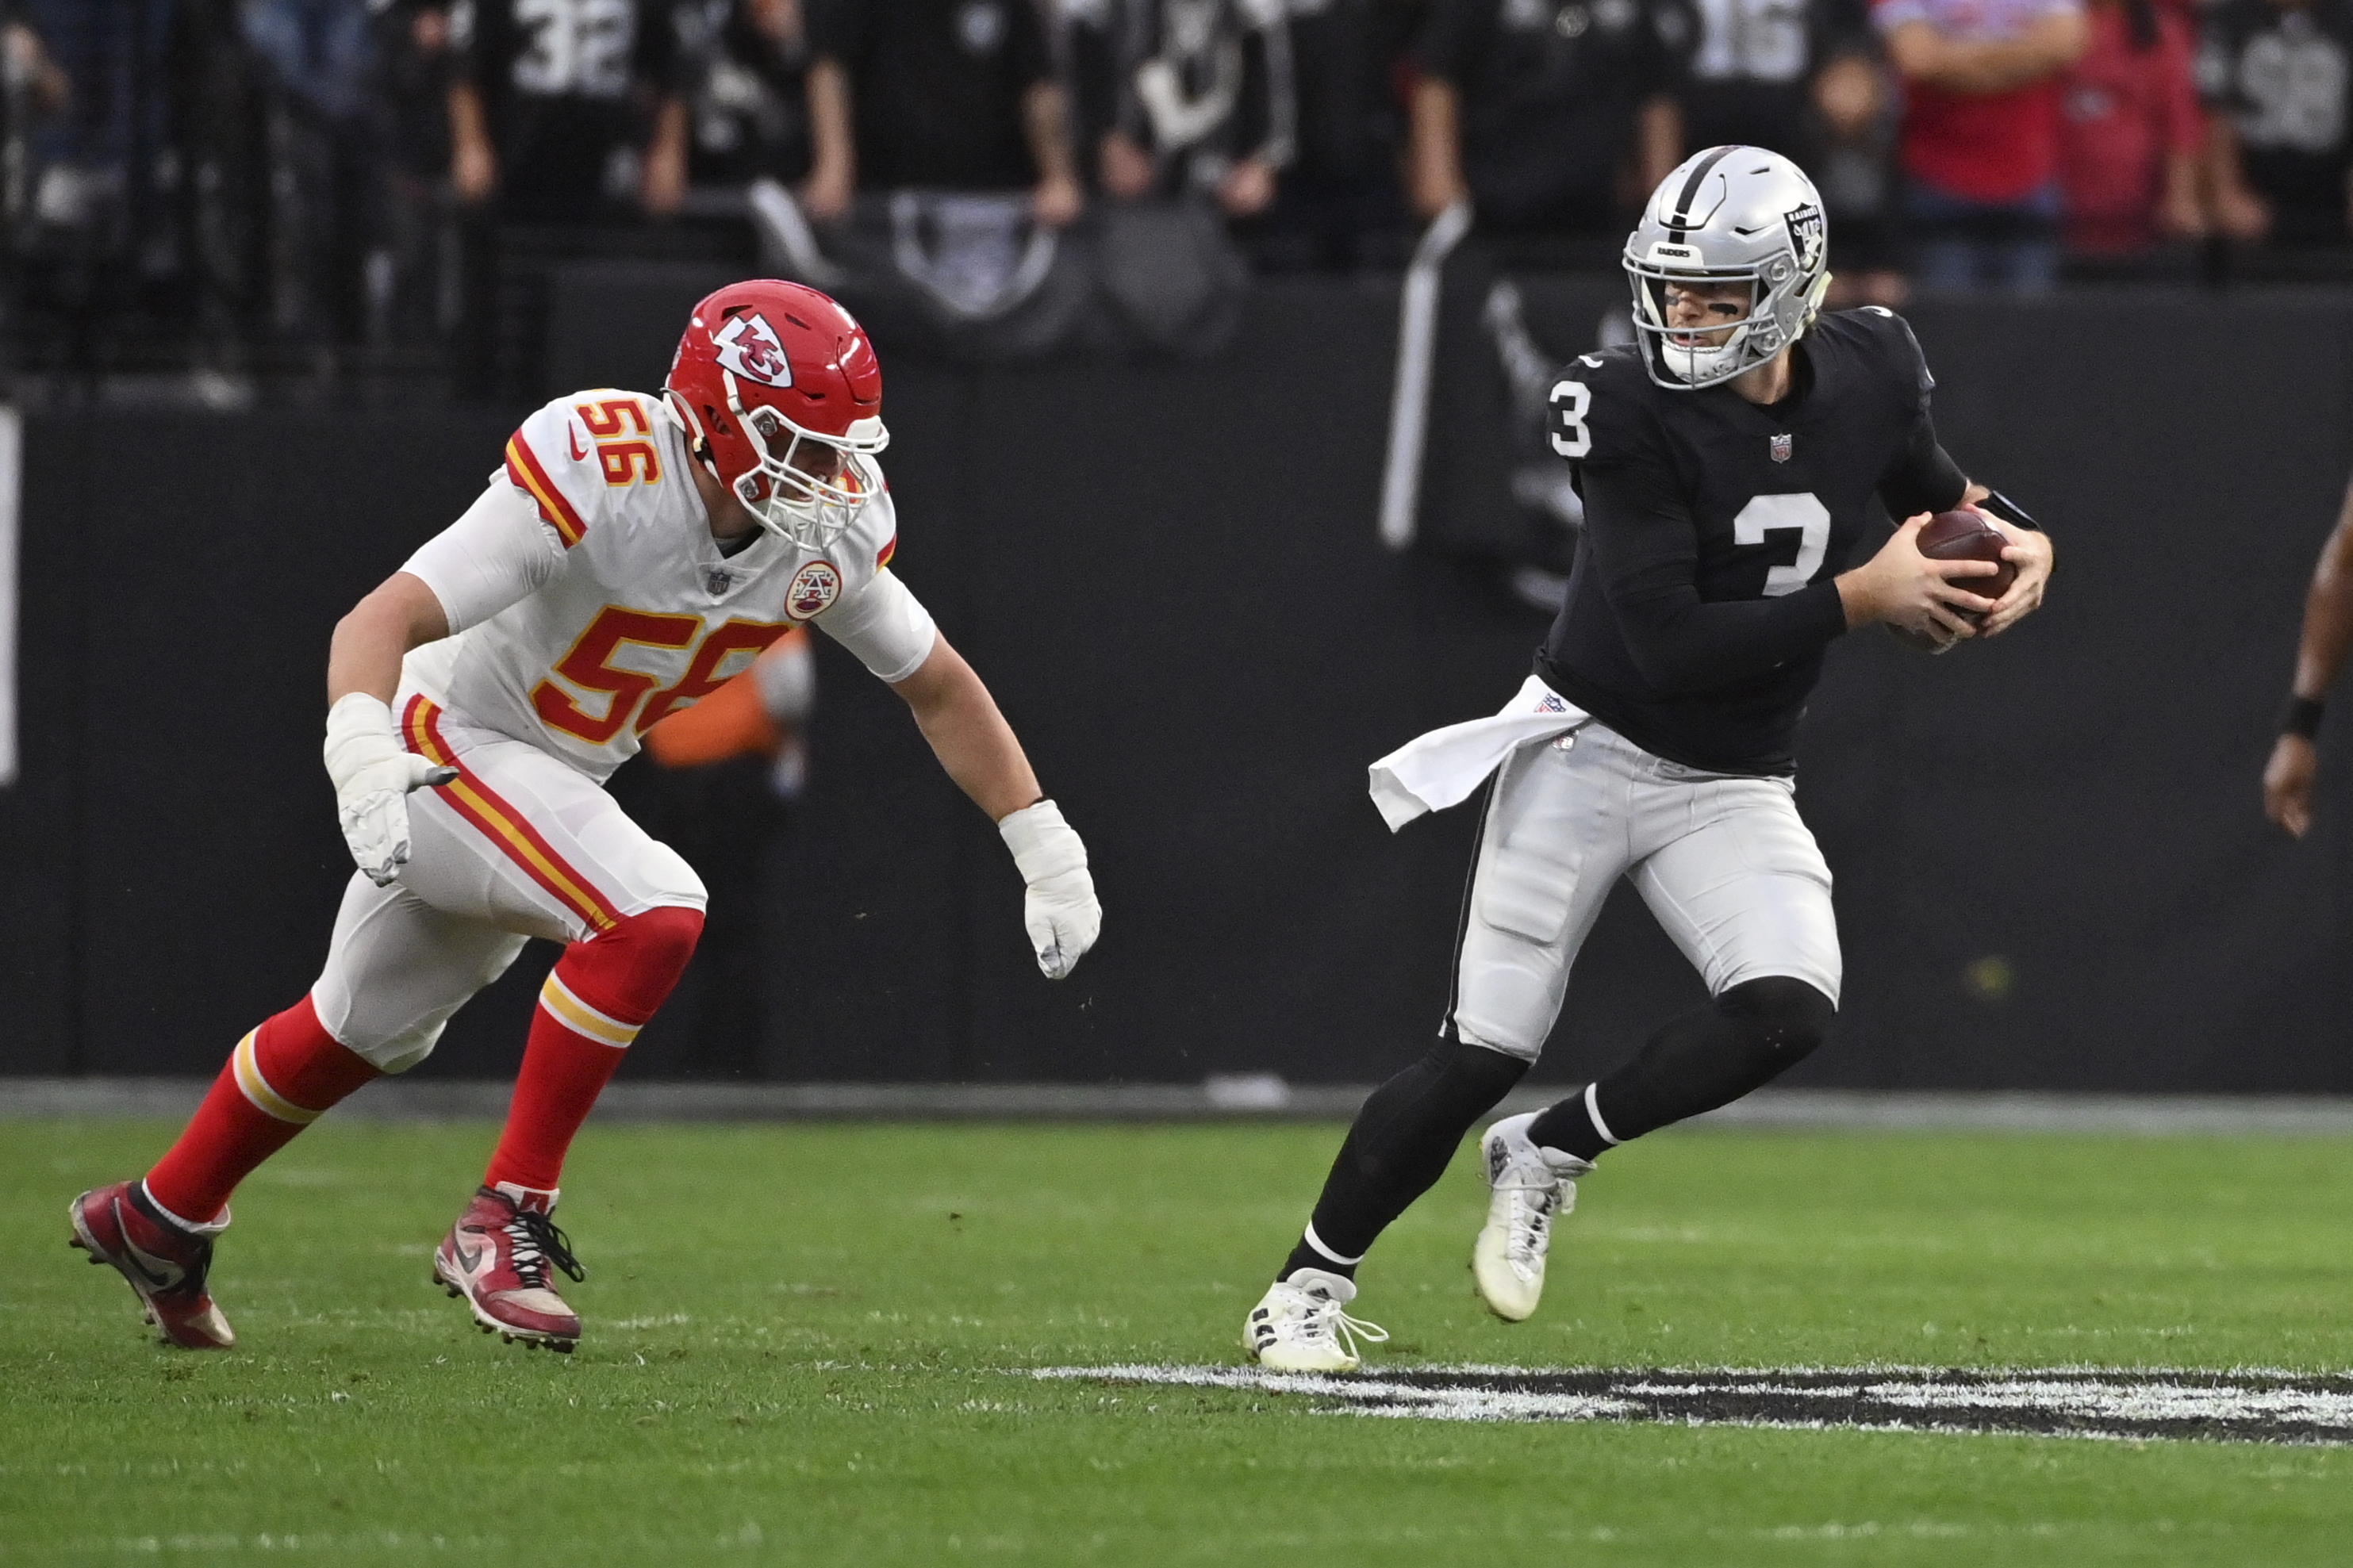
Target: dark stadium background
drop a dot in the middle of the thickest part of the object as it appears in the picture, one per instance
(2053, 870)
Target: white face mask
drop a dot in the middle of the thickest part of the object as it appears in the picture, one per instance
(797, 506)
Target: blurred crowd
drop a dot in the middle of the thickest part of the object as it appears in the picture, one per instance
(314, 176)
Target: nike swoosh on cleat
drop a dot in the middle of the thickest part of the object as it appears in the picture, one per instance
(160, 1272)
(467, 1261)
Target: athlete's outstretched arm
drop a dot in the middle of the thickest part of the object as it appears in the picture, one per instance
(977, 748)
(969, 736)
(2319, 654)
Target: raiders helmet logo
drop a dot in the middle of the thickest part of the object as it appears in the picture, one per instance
(815, 587)
(1808, 235)
(750, 347)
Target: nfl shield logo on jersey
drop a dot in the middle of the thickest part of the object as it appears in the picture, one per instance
(1783, 446)
(815, 587)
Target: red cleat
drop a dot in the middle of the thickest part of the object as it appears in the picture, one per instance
(165, 1263)
(497, 1257)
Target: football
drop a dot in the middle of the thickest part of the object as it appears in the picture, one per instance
(1965, 535)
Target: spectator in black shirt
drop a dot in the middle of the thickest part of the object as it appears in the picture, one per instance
(1339, 204)
(1186, 95)
(1803, 77)
(565, 107)
(412, 87)
(2278, 76)
(1774, 73)
(955, 95)
(1532, 110)
(747, 101)
(417, 297)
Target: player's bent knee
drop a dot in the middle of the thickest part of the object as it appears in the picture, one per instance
(1793, 1015)
(1470, 1038)
(662, 876)
(630, 966)
(399, 1055)
(659, 939)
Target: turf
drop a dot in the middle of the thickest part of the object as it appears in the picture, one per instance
(805, 1345)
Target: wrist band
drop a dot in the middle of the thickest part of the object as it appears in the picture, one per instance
(1997, 504)
(2300, 716)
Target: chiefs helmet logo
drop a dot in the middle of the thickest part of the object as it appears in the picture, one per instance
(815, 587)
(750, 347)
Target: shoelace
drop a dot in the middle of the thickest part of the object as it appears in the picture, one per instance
(1532, 1208)
(1325, 1319)
(537, 1244)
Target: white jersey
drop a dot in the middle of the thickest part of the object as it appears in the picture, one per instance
(588, 598)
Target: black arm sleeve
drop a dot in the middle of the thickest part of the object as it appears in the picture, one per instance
(1923, 477)
(1646, 547)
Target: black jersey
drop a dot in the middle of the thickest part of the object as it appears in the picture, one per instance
(1702, 594)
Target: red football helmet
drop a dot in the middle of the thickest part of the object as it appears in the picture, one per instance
(781, 397)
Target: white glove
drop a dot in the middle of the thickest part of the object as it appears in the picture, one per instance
(1059, 912)
(373, 774)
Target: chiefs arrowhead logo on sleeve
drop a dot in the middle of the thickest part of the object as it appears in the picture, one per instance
(750, 347)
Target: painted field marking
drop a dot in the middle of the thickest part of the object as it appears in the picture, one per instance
(2067, 1402)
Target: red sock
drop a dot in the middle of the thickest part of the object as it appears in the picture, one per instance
(280, 1078)
(597, 997)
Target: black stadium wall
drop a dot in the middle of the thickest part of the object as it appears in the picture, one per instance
(2053, 872)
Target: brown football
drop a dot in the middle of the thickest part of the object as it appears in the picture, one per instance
(1965, 535)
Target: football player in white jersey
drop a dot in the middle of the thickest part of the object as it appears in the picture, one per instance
(632, 554)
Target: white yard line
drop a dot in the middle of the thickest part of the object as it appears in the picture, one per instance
(2076, 1402)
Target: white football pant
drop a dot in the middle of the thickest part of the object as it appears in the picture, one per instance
(521, 845)
(1726, 864)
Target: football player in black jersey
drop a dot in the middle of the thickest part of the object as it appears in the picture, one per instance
(1731, 458)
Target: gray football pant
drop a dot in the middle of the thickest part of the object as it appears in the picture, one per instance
(1726, 864)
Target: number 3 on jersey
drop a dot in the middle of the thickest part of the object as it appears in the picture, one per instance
(1769, 514)
(1570, 399)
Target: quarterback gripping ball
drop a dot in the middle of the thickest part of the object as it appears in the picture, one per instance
(1965, 535)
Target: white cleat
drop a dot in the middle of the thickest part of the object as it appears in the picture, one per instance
(1531, 1187)
(1300, 1327)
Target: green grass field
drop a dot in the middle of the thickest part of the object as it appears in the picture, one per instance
(804, 1344)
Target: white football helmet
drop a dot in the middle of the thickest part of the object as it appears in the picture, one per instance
(1724, 215)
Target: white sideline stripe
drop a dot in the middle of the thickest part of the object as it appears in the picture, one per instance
(1794, 1109)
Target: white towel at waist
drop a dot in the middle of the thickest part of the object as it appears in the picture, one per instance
(1433, 771)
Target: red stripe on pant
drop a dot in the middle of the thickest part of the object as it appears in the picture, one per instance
(501, 823)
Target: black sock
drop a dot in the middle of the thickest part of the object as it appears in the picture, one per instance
(1747, 1037)
(1399, 1146)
